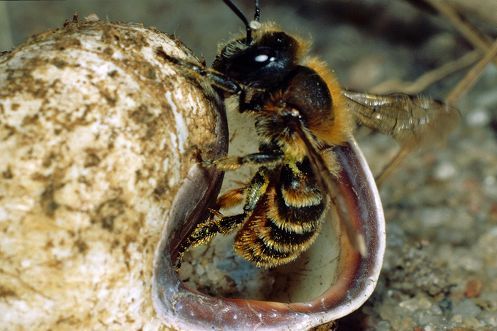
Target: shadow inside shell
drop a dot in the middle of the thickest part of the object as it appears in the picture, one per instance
(214, 269)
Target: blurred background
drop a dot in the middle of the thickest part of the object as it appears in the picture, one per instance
(440, 269)
(365, 41)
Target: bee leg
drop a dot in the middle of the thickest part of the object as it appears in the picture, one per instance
(254, 104)
(217, 79)
(206, 230)
(234, 162)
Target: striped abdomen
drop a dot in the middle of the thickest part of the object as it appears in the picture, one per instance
(286, 220)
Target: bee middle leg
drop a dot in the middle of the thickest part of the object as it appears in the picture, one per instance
(228, 163)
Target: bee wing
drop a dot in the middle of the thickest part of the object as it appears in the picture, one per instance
(409, 119)
(329, 184)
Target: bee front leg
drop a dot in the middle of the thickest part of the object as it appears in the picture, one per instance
(216, 78)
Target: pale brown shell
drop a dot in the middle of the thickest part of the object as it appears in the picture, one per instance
(97, 133)
(356, 276)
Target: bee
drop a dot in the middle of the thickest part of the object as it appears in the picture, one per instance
(301, 113)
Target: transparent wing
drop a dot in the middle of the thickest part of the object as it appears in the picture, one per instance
(409, 119)
(329, 184)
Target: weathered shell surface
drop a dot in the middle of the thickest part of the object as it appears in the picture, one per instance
(97, 133)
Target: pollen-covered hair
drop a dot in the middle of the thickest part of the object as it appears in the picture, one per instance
(336, 128)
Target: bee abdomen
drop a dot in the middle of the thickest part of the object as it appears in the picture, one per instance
(292, 227)
(285, 222)
(297, 217)
(265, 244)
(267, 241)
(260, 251)
(285, 240)
(251, 245)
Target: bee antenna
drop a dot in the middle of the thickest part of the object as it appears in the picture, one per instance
(256, 23)
(257, 15)
(248, 25)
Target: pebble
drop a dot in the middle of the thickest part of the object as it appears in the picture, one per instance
(466, 308)
(478, 118)
(473, 288)
(445, 170)
(416, 304)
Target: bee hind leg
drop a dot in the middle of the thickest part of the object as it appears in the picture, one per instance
(217, 223)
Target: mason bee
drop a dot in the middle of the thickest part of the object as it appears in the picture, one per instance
(301, 113)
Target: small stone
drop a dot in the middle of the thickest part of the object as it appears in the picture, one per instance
(368, 71)
(444, 171)
(478, 118)
(473, 288)
(471, 323)
(490, 186)
(403, 324)
(383, 326)
(487, 249)
(466, 308)
(456, 319)
(489, 317)
(186, 270)
(427, 318)
(436, 310)
(416, 304)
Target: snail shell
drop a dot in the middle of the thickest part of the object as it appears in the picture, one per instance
(97, 133)
(348, 286)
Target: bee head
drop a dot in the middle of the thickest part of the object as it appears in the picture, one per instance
(262, 58)
(263, 63)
